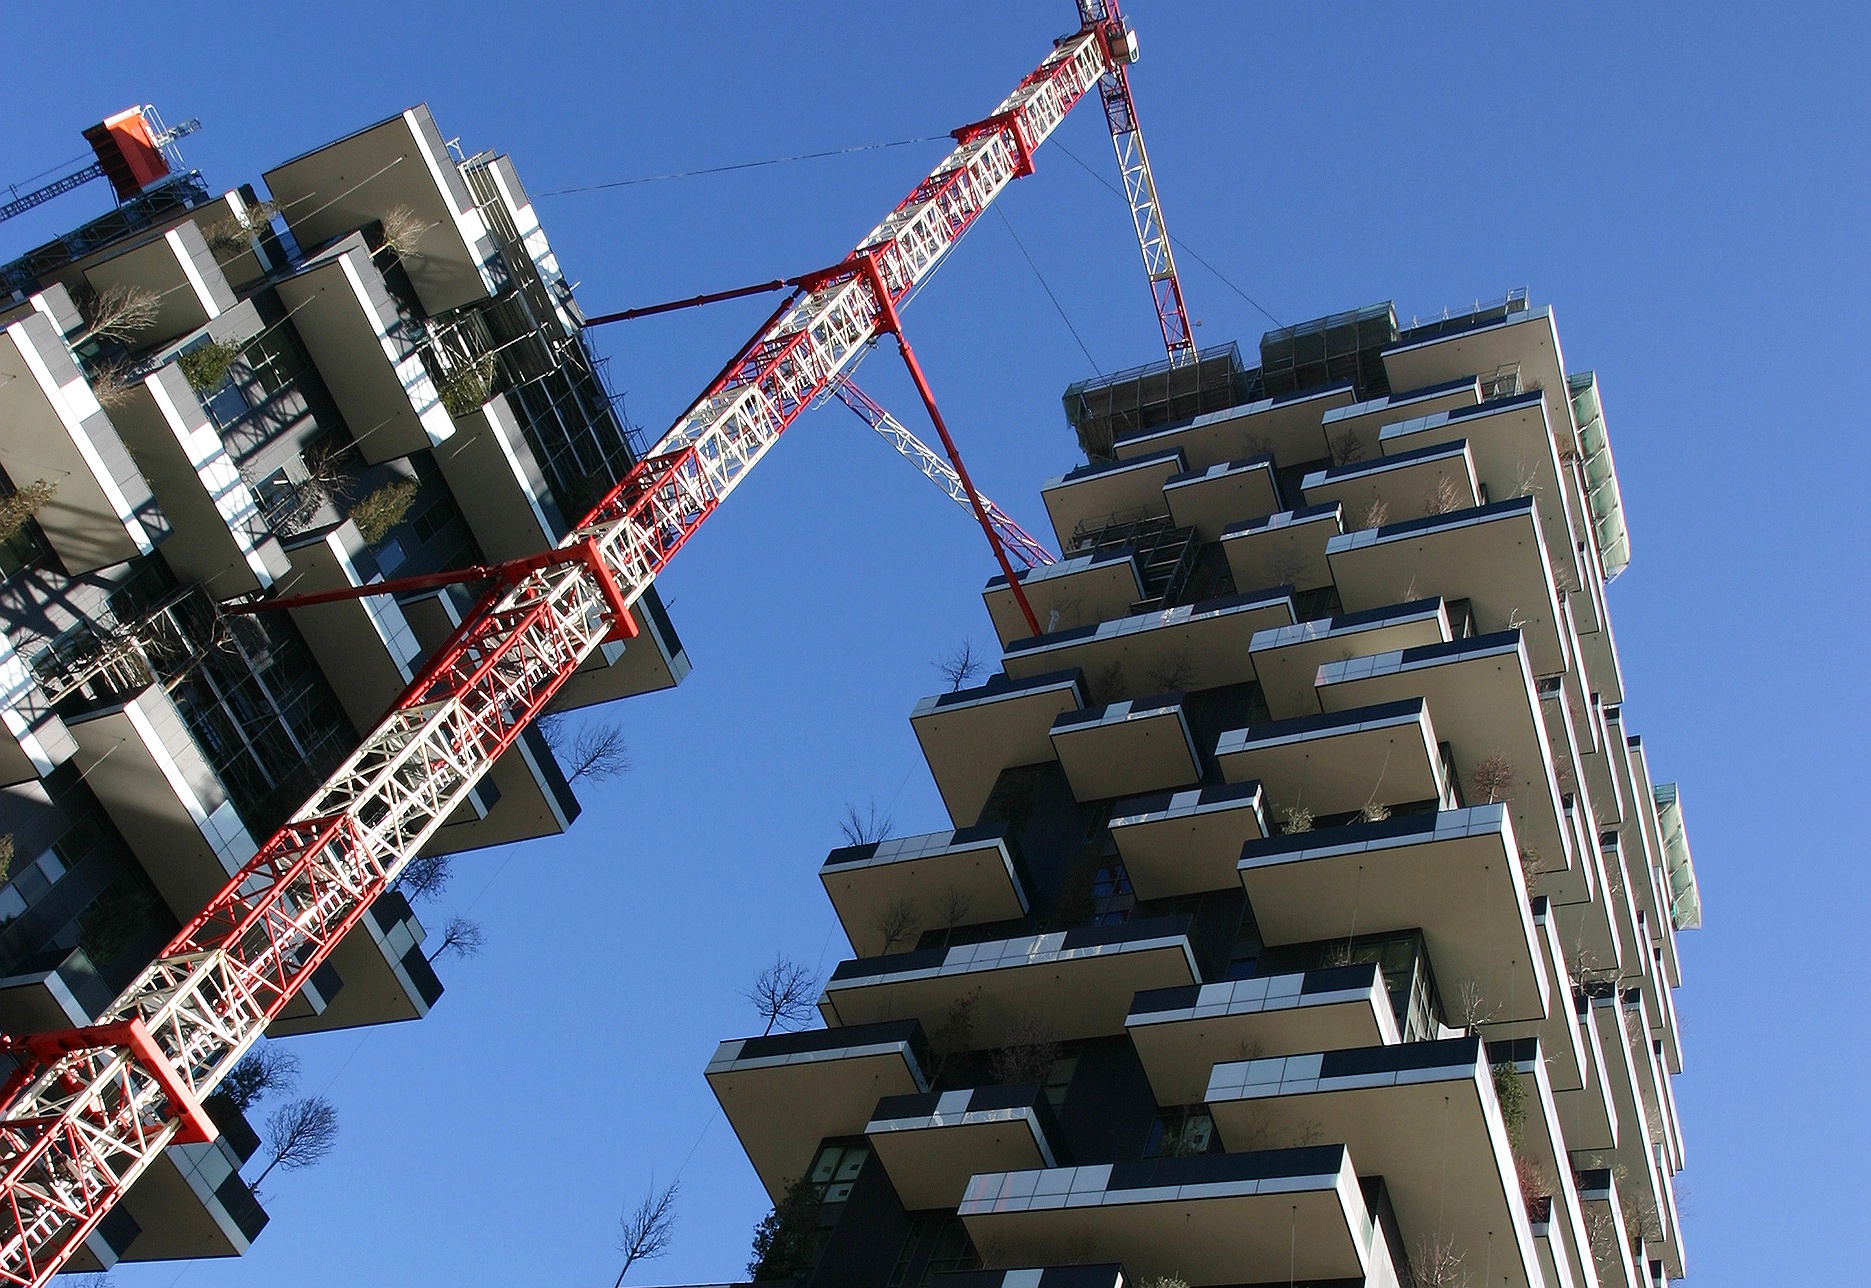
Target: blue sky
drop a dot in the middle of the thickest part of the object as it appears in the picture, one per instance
(1675, 181)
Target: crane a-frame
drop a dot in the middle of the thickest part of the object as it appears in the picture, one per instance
(87, 1110)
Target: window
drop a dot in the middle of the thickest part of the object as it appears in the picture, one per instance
(1112, 898)
(837, 1169)
(432, 520)
(1059, 1078)
(1177, 1133)
(937, 1243)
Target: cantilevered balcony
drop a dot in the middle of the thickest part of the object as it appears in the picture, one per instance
(1560, 1037)
(366, 647)
(1423, 1115)
(1105, 1276)
(971, 735)
(1214, 499)
(1284, 549)
(1095, 494)
(52, 428)
(176, 266)
(888, 890)
(1286, 428)
(1634, 1152)
(1181, 1034)
(1653, 1083)
(498, 485)
(1612, 1252)
(1482, 698)
(221, 538)
(378, 974)
(1334, 764)
(1558, 1219)
(1510, 442)
(190, 1203)
(145, 767)
(36, 740)
(1452, 874)
(1590, 1114)
(1188, 841)
(368, 177)
(1524, 342)
(366, 351)
(1287, 658)
(933, 1142)
(1205, 645)
(1586, 925)
(785, 1093)
(1204, 1218)
(1125, 748)
(1491, 556)
(1429, 480)
(1657, 908)
(1080, 980)
(1352, 430)
(1082, 590)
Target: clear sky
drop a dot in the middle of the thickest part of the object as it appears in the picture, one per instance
(1676, 182)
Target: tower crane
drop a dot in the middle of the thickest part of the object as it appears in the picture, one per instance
(86, 1110)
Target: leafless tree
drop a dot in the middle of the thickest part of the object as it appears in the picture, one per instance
(956, 906)
(1171, 674)
(956, 1032)
(896, 922)
(118, 312)
(1494, 778)
(1535, 1184)
(1471, 1010)
(644, 1234)
(1377, 515)
(425, 876)
(1438, 1263)
(959, 665)
(112, 383)
(1289, 565)
(598, 752)
(1445, 498)
(402, 229)
(867, 828)
(300, 1133)
(1347, 449)
(264, 1070)
(1030, 1049)
(1107, 685)
(783, 994)
(233, 232)
(20, 505)
(6, 856)
(1295, 818)
(460, 937)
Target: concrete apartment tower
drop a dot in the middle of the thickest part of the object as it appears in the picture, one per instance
(1309, 913)
(373, 368)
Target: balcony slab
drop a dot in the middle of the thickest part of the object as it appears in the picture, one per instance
(1333, 764)
(1287, 658)
(1126, 748)
(870, 884)
(1224, 494)
(1284, 549)
(969, 736)
(1082, 590)
(1187, 841)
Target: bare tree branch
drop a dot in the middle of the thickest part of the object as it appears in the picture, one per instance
(865, 829)
(119, 312)
(959, 665)
(300, 1133)
(896, 922)
(644, 1234)
(595, 750)
(265, 1069)
(425, 877)
(462, 937)
(783, 992)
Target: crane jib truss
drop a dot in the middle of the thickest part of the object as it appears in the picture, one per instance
(1133, 163)
(86, 1111)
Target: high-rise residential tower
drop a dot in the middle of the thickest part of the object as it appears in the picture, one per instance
(368, 366)
(1308, 909)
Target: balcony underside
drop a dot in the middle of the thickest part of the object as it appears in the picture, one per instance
(1398, 487)
(1187, 841)
(1181, 1034)
(1286, 428)
(1079, 591)
(1126, 748)
(884, 893)
(1459, 883)
(1287, 658)
(1215, 499)
(968, 737)
(1285, 549)
(1342, 762)
(1202, 645)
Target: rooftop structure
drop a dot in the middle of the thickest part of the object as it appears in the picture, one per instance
(1306, 910)
(370, 365)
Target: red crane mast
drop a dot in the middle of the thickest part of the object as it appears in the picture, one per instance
(87, 1110)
